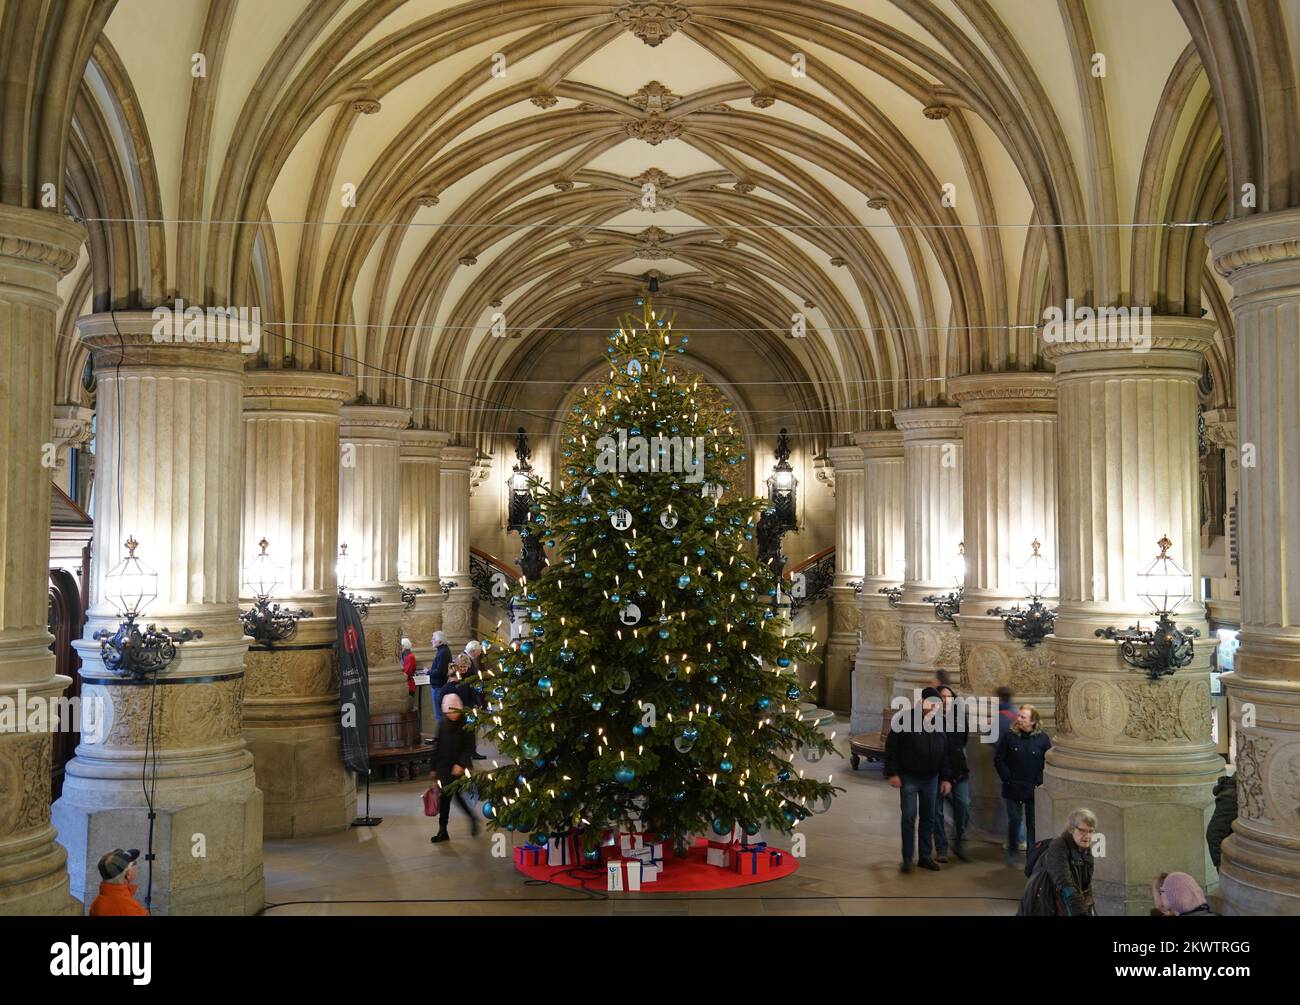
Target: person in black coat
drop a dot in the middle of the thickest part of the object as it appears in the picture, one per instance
(1019, 759)
(452, 757)
(918, 764)
(1060, 881)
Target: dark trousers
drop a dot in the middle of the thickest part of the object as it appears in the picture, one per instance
(444, 808)
(1017, 811)
(918, 792)
(960, 817)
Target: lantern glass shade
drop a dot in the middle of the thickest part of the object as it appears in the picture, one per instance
(1164, 584)
(130, 586)
(346, 569)
(261, 575)
(1037, 577)
(956, 567)
(519, 482)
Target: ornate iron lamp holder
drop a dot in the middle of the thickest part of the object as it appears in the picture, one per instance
(946, 605)
(361, 603)
(267, 622)
(894, 593)
(409, 593)
(1029, 625)
(1160, 652)
(447, 585)
(130, 652)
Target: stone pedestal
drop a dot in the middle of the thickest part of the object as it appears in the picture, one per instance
(932, 535)
(291, 492)
(169, 446)
(36, 249)
(1009, 501)
(843, 640)
(458, 608)
(876, 661)
(1136, 752)
(369, 512)
(1260, 256)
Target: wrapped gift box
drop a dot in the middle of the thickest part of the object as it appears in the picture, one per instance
(649, 854)
(530, 854)
(720, 852)
(562, 851)
(755, 859)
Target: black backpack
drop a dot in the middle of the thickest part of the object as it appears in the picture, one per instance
(1035, 854)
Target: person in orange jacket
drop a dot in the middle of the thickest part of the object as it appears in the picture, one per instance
(117, 891)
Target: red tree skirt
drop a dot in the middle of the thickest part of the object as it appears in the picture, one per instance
(679, 875)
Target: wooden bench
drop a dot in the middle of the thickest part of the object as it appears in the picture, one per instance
(870, 745)
(396, 746)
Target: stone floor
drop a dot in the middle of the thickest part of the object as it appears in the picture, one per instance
(850, 868)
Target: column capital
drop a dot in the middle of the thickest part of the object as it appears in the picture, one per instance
(845, 458)
(309, 391)
(380, 422)
(880, 444)
(126, 338)
(937, 423)
(42, 238)
(458, 457)
(1004, 392)
(1221, 427)
(423, 444)
(1256, 253)
(72, 425)
(1134, 340)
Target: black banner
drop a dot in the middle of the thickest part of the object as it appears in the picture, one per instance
(354, 688)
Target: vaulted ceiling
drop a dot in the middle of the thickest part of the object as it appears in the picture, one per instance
(390, 180)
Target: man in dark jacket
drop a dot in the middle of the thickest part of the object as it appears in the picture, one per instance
(1225, 812)
(438, 670)
(1061, 881)
(1019, 759)
(452, 757)
(954, 728)
(917, 763)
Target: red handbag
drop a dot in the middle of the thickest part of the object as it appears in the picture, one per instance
(432, 800)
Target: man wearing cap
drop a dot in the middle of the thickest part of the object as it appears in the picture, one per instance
(117, 891)
(919, 764)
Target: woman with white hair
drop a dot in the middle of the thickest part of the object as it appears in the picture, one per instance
(1060, 875)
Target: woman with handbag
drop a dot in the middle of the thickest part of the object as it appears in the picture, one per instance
(453, 755)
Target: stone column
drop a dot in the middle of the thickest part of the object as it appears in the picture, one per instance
(369, 507)
(170, 447)
(418, 548)
(842, 643)
(876, 662)
(291, 492)
(1009, 501)
(72, 431)
(420, 532)
(1221, 435)
(1136, 752)
(453, 549)
(932, 534)
(1260, 256)
(35, 250)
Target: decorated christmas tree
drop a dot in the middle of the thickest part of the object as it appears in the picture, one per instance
(654, 686)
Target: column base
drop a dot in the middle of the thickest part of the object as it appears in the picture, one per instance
(929, 645)
(383, 632)
(207, 836)
(291, 727)
(458, 615)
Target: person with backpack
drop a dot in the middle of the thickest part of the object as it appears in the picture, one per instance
(1019, 758)
(917, 763)
(1060, 872)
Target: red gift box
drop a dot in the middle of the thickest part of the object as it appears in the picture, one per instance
(755, 860)
(530, 854)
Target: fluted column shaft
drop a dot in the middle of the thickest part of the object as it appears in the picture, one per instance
(876, 662)
(1009, 501)
(850, 532)
(291, 492)
(932, 535)
(1260, 256)
(169, 446)
(36, 249)
(369, 514)
(1136, 752)
(453, 549)
(418, 546)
